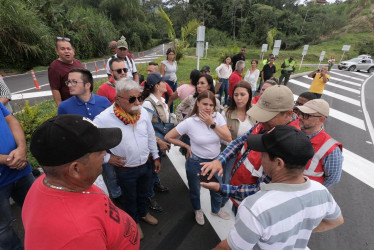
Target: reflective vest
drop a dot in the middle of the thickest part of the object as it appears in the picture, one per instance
(248, 166)
(291, 65)
(323, 144)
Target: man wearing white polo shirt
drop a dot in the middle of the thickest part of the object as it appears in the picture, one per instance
(285, 212)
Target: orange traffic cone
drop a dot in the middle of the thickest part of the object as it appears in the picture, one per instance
(35, 81)
(104, 64)
(96, 67)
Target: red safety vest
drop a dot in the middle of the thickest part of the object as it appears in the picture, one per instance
(250, 168)
(323, 144)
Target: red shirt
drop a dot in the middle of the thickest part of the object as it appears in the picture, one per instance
(107, 90)
(58, 73)
(55, 219)
(255, 99)
(233, 80)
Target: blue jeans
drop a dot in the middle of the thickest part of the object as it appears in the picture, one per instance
(227, 174)
(260, 86)
(111, 179)
(154, 179)
(224, 88)
(173, 86)
(17, 190)
(193, 168)
(134, 184)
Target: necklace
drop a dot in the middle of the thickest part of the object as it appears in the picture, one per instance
(124, 116)
(67, 189)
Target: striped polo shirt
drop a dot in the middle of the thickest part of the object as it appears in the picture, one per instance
(282, 216)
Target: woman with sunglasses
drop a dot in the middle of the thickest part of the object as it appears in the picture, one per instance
(238, 122)
(206, 128)
(154, 88)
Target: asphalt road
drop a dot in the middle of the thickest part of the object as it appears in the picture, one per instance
(352, 108)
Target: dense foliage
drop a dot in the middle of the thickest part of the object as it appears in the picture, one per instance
(30, 27)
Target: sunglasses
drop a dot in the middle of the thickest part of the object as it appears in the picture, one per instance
(119, 71)
(298, 103)
(62, 39)
(305, 116)
(132, 99)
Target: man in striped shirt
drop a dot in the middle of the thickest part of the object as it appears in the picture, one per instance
(5, 95)
(284, 213)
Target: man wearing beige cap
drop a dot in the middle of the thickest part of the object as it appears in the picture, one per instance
(123, 53)
(274, 108)
(326, 164)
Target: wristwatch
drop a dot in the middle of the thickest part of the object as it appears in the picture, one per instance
(213, 126)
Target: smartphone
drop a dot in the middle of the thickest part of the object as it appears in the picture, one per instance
(204, 178)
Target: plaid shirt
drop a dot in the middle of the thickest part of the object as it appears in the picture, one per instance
(332, 165)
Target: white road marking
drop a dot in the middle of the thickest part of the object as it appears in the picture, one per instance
(358, 167)
(346, 118)
(345, 81)
(366, 113)
(362, 74)
(222, 227)
(351, 77)
(340, 86)
(33, 88)
(329, 93)
(31, 95)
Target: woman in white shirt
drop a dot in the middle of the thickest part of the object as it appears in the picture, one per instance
(205, 128)
(223, 72)
(169, 68)
(238, 122)
(252, 75)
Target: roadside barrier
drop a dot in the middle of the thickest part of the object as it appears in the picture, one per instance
(35, 81)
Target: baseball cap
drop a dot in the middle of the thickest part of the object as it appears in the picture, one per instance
(285, 142)
(65, 138)
(154, 78)
(274, 100)
(315, 106)
(122, 43)
(205, 68)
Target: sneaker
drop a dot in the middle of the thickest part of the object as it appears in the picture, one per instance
(222, 214)
(199, 217)
(153, 204)
(150, 219)
(140, 231)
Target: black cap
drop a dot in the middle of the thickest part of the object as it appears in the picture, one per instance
(154, 78)
(285, 142)
(65, 138)
(205, 68)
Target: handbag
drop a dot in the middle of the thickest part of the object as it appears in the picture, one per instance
(161, 128)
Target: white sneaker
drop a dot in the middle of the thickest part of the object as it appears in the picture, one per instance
(199, 217)
(222, 214)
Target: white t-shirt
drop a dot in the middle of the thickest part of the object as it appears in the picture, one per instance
(205, 143)
(252, 78)
(244, 127)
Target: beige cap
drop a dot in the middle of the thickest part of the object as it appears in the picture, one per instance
(315, 106)
(274, 100)
(122, 43)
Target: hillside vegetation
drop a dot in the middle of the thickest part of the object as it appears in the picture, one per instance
(29, 28)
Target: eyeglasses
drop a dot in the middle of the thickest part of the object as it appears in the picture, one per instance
(298, 103)
(304, 115)
(119, 71)
(72, 82)
(132, 99)
(62, 39)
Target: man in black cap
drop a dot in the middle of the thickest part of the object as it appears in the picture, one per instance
(62, 208)
(285, 212)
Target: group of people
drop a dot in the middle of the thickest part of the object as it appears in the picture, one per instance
(274, 155)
